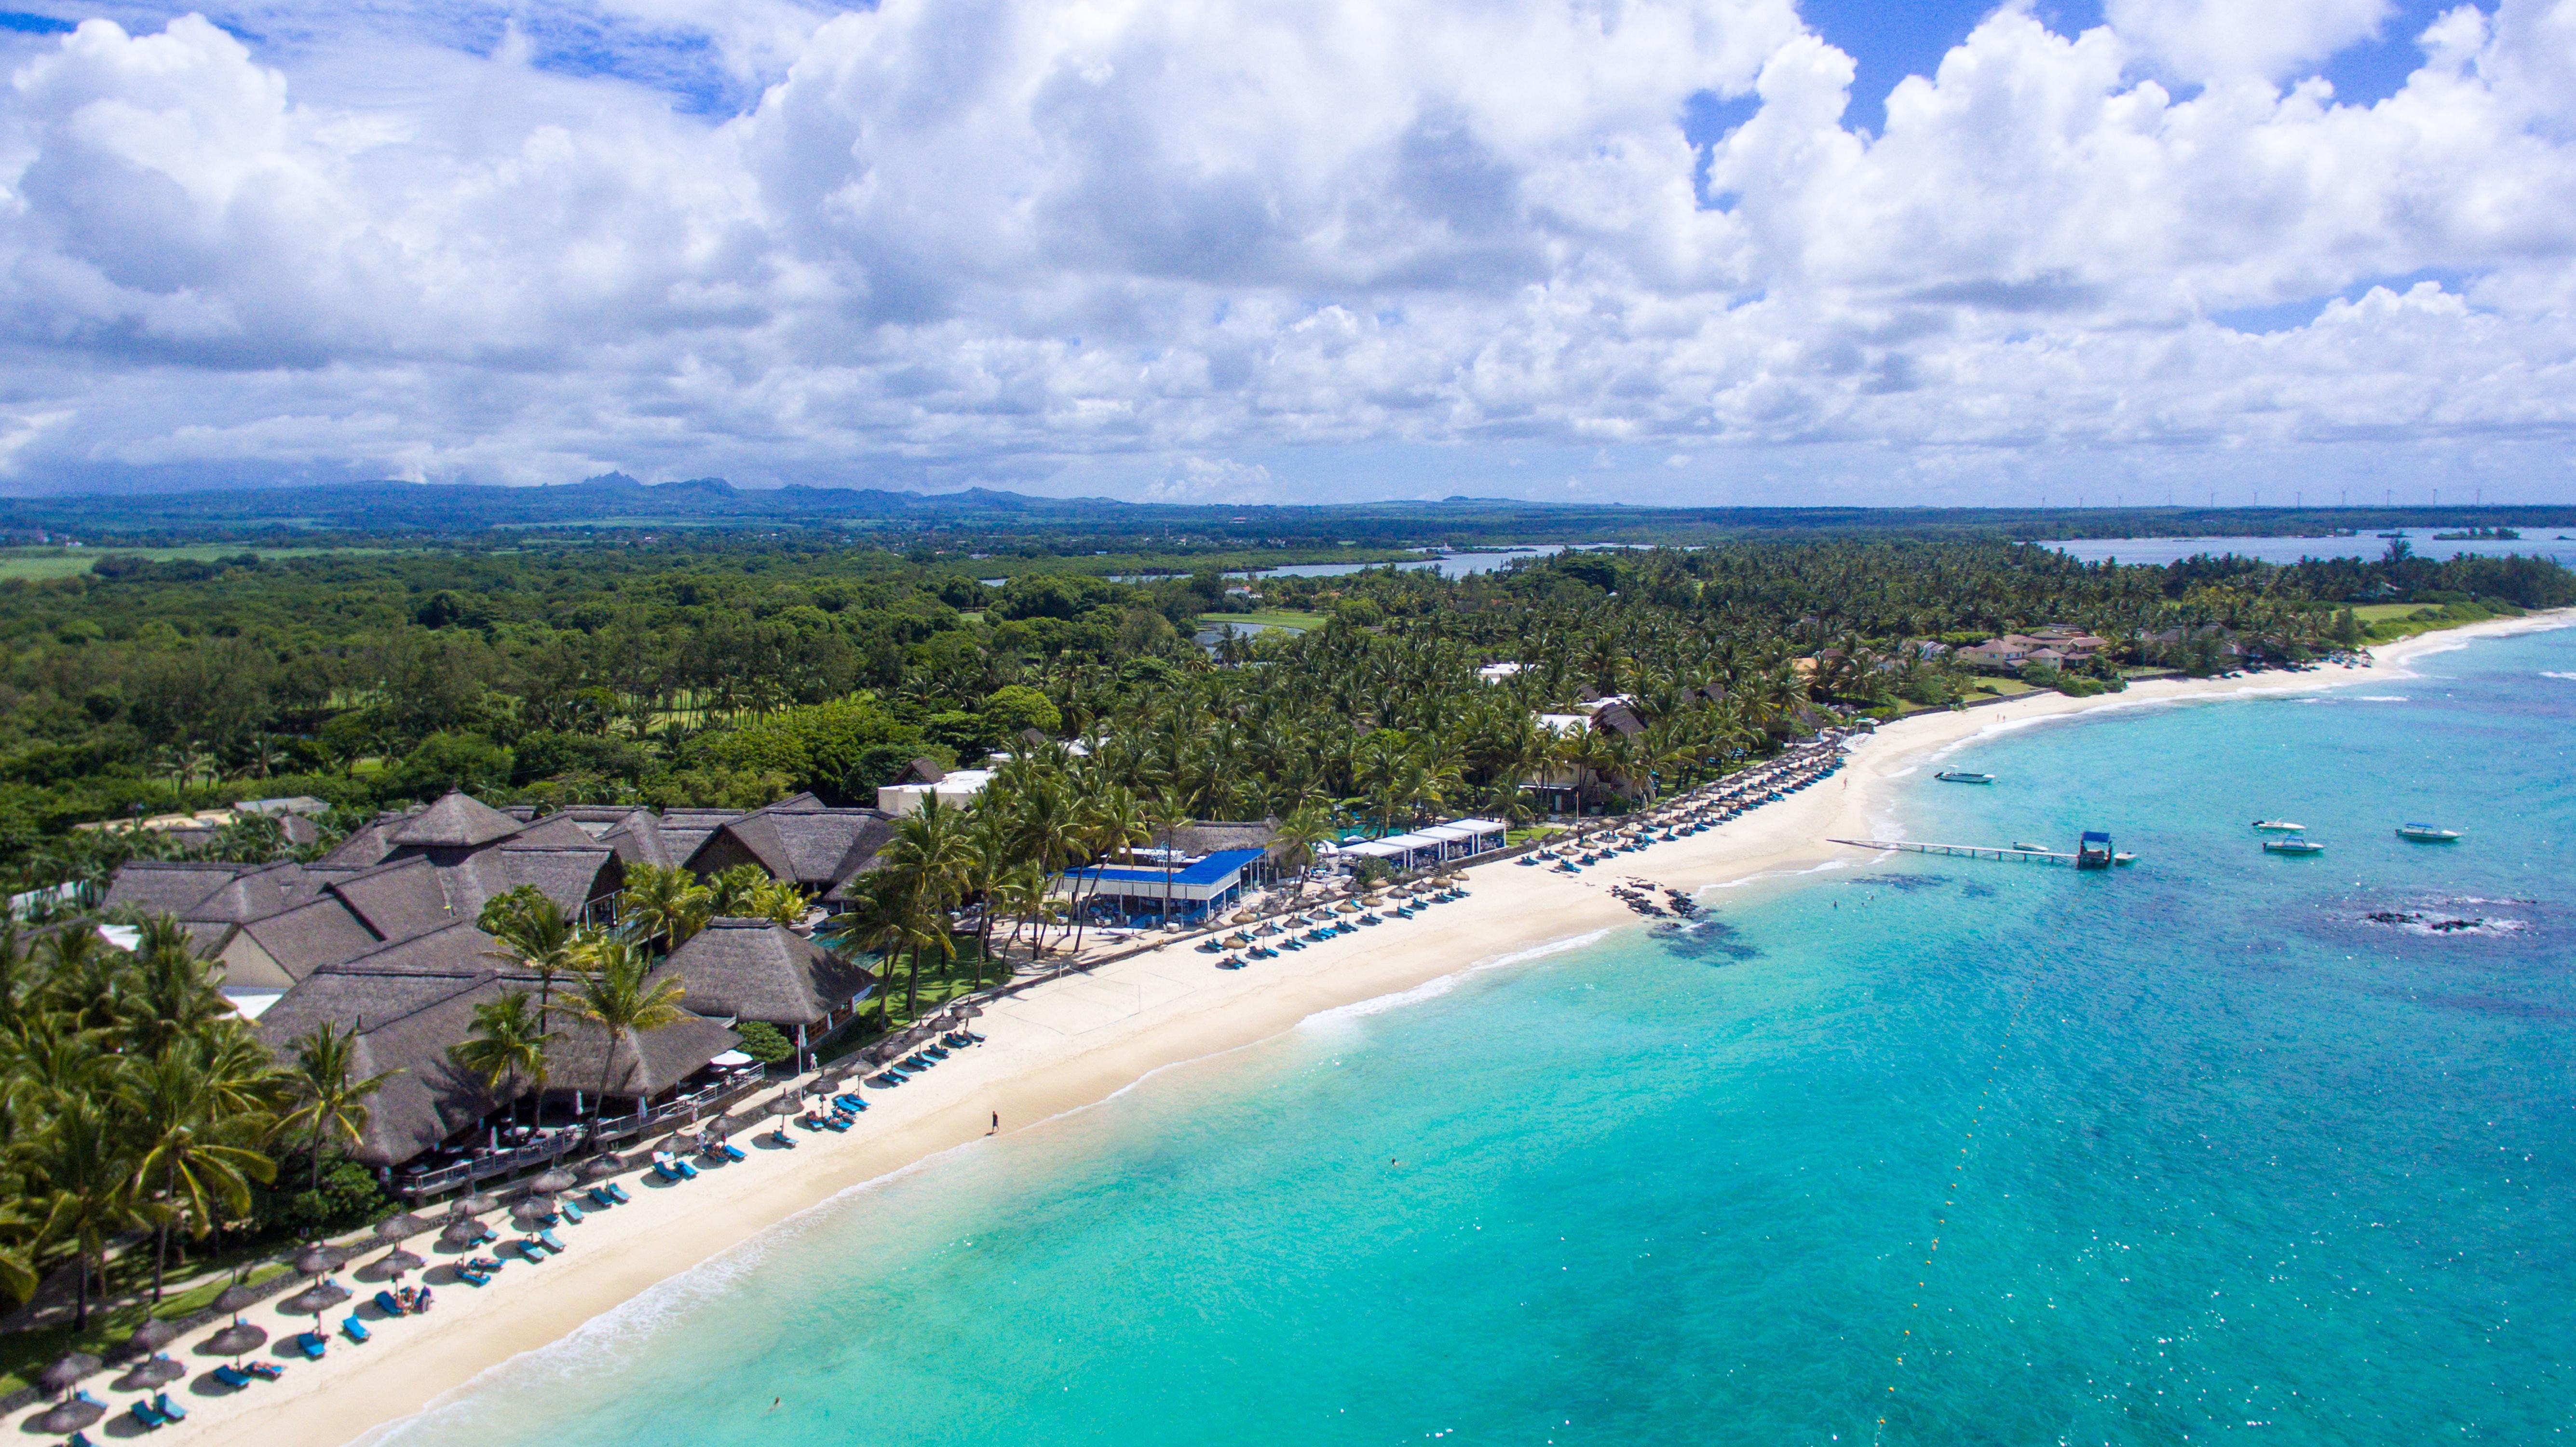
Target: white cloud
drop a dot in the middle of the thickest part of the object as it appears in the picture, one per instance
(952, 241)
(2213, 39)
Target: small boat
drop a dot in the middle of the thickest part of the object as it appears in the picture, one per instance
(2124, 858)
(2426, 834)
(2295, 844)
(2278, 826)
(2029, 848)
(1963, 776)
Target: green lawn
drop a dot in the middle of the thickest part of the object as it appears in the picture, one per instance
(35, 564)
(1288, 618)
(25, 1354)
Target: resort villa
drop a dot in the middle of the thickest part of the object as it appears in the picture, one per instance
(2056, 646)
(379, 939)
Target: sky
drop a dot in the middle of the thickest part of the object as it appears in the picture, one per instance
(1689, 251)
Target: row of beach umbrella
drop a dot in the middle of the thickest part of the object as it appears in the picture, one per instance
(458, 1226)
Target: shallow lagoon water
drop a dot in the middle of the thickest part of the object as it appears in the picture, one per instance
(1913, 1151)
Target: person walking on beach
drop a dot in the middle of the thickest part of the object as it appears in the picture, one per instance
(997, 1124)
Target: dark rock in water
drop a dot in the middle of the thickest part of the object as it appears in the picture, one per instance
(2453, 926)
(1703, 939)
(1906, 882)
(2390, 916)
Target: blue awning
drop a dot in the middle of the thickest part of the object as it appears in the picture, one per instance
(1210, 870)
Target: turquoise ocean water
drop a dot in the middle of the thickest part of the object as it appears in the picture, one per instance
(2205, 1152)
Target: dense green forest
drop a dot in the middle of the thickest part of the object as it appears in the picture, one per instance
(728, 669)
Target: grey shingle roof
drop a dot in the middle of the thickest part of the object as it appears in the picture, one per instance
(405, 1021)
(408, 897)
(255, 893)
(1211, 837)
(158, 887)
(644, 1066)
(640, 839)
(571, 877)
(306, 938)
(366, 846)
(751, 969)
(553, 832)
(812, 846)
(457, 821)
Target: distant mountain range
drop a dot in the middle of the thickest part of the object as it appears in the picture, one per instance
(617, 501)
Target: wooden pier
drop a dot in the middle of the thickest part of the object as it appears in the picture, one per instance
(2093, 851)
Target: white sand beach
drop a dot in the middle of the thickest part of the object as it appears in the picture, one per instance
(1073, 1041)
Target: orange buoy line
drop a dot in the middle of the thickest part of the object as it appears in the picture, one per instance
(1994, 1074)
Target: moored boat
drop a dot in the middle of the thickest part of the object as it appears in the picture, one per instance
(2294, 844)
(2278, 826)
(2426, 834)
(1963, 776)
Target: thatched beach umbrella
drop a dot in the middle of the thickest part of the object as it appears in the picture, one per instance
(395, 1228)
(601, 1167)
(315, 1299)
(554, 1182)
(239, 1297)
(155, 1334)
(786, 1104)
(532, 1211)
(398, 1261)
(67, 1372)
(70, 1417)
(236, 1339)
(153, 1371)
(320, 1260)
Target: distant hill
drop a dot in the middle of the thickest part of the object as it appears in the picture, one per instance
(616, 501)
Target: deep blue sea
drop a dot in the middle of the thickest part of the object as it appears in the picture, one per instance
(1938, 1152)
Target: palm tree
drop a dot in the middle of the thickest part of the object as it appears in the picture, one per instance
(1167, 814)
(665, 905)
(780, 903)
(1114, 825)
(1303, 832)
(619, 994)
(929, 863)
(731, 893)
(509, 1043)
(534, 934)
(84, 1168)
(332, 1100)
(876, 924)
(169, 989)
(198, 1159)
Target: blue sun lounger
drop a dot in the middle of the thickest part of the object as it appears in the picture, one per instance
(146, 1418)
(310, 1343)
(552, 1244)
(354, 1329)
(386, 1303)
(170, 1411)
(232, 1377)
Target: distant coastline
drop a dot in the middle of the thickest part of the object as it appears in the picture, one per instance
(1072, 1042)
